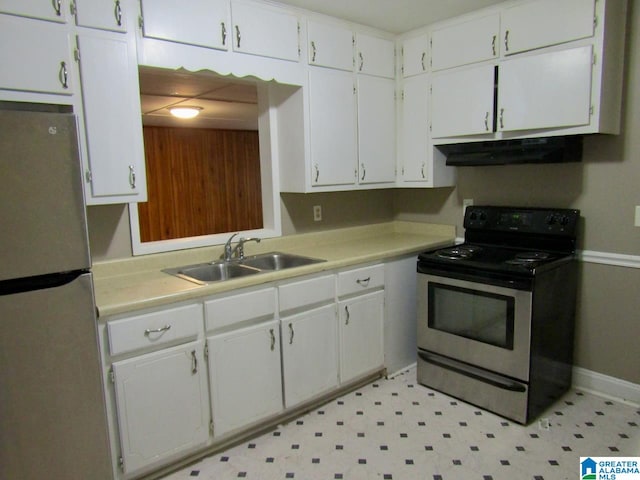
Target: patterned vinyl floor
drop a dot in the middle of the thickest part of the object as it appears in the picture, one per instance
(397, 429)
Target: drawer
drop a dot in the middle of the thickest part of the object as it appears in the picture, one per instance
(152, 329)
(307, 292)
(225, 311)
(360, 280)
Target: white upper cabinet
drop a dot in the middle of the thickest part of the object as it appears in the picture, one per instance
(541, 23)
(103, 14)
(27, 65)
(329, 45)
(464, 43)
(415, 147)
(415, 56)
(462, 102)
(376, 130)
(546, 90)
(375, 56)
(332, 126)
(196, 22)
(266, 31)
(114, 145)
(53, 10)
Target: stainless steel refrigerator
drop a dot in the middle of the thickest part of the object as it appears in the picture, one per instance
(52, 410)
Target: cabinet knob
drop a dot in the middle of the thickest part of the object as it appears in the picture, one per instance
(502, 118)
(346, 309)
(422, 59)
(317, 173)
(506, 41)
(223, 31)
(57, 6)
(361, 60)
(273, 339)
(493, 45)
(194, 362)
(291, 334)
(364, 171)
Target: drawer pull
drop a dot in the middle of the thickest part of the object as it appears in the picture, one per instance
(149, 331)
(364, 282)
(194, 362)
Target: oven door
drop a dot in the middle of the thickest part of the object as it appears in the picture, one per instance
(482, 325)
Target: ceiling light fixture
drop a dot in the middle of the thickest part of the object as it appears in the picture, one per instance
(185, 112)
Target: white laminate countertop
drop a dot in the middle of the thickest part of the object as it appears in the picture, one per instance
(131, 284)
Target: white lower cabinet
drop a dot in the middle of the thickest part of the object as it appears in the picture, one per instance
(309, 354)
(244, 367)
(162, 405)
(361, 342)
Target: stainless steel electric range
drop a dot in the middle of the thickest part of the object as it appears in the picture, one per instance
(496, 313)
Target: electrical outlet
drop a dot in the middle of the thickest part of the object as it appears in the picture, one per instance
(317, 213)
(637, 222)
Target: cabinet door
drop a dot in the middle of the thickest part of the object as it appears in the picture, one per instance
(376, 130)
(361, 341)
(415, 146)
(330, 45)
(543, 91)
(109, 76)
(376, 56)
(414, 55)
(465, 43)
(309, 354)
(246, 382)
(52, 10)
(103, 14)
(264, 31)
(332, 110)
(462, 102)
(162, 404)
(196, 22)
(542, 23)
(26, 65)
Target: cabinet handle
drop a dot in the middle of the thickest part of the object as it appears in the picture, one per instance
(118, 13)
(313, 51)
(493, 45)
(424, 56)
(132, 176)
(194, 362)
(502, 118)
(291, 333)
(364, 171)
(64, 75)
(506, 41)
(361, 60)
(149, 331)
(346, 309)
(273, 339)
(317, 172)
(363, 282)
(238, 36)
(486, 121)
(422, 170)
(57, 7)
(223, 30)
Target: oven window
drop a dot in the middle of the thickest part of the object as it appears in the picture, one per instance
(481, 316)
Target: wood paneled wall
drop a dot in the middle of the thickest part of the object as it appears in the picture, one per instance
(199, 182)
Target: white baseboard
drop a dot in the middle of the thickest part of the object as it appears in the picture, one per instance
(606, 386)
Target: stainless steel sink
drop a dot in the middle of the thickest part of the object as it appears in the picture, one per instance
(212, 272)
(278, 261)
(203, 273)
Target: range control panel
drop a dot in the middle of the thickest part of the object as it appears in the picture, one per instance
(523, 220)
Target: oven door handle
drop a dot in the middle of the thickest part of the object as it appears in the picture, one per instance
(473, 372)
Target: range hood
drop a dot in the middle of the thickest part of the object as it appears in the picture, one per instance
(506, 152)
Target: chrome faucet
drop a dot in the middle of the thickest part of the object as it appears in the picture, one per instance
(237, 251)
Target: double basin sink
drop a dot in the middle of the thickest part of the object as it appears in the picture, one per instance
(203, 273)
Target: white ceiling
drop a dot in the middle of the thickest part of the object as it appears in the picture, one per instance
(395, 16)
(232, 104)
